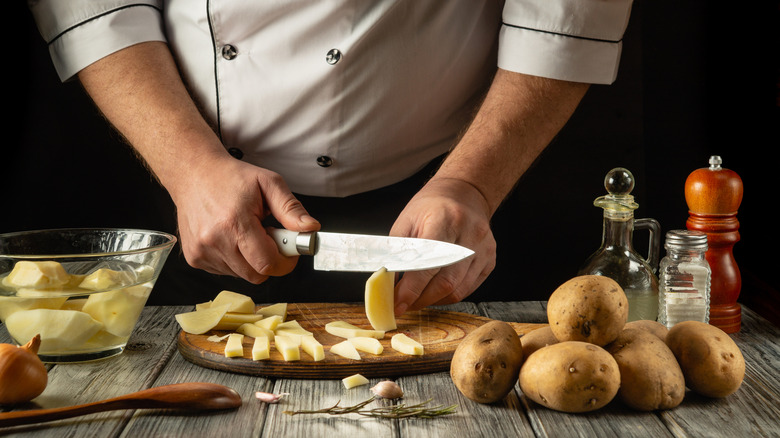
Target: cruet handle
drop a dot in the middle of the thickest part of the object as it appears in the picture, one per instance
(654, 247)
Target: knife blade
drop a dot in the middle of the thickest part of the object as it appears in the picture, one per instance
(368, 253)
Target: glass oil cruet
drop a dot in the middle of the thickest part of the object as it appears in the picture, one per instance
(616, 258)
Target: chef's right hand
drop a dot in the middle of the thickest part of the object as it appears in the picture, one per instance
(220, 208)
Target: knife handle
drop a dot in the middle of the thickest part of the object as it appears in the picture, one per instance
(293, 243)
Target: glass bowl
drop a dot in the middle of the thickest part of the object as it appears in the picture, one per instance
(82, 290)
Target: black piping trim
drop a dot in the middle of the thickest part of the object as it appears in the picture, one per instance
(216, 82)
(562, 34)
(98, 16)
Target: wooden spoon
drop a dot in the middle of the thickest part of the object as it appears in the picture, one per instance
(193, 396)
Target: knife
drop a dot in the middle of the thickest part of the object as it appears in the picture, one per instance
(367, 253)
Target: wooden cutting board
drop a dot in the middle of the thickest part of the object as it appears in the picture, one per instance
(439, 331)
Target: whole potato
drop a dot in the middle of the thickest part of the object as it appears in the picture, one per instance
(486, 363)
(650, 377)
(651, 326)
(588, 308)
(711, 361)
(537, 339)
(570, 376)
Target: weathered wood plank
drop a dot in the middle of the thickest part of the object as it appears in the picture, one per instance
(320, 394)
(472, 419)
(246, 421)
(516, 311)
(742, 414)
(759, 341)
(149, 348)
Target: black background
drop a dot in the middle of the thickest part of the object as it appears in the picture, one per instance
(696, 79)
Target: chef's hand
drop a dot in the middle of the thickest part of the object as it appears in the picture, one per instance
(220, 210)
(449, 210)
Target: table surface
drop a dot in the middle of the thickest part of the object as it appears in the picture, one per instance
(152, 359)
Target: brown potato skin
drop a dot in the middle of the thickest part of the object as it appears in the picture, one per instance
(650, 377)
(710, 360)
(654, 327)
(588, 308)
(570, 376)
(537, 339)
(487, 361)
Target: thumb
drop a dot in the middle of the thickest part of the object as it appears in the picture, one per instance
(289, 211)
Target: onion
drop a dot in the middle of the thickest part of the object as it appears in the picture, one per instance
(22, 374)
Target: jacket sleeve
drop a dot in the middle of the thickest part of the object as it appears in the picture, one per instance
(80, 32)
(572, 40)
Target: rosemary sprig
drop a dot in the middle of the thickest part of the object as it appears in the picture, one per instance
(394, 411)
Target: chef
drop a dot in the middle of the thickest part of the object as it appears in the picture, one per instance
(402, 117)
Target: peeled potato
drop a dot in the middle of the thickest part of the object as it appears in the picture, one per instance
(118, 310)
(59, 329)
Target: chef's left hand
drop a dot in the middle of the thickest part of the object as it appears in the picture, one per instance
(450, 210)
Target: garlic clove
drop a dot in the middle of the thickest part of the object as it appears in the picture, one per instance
(387, 389)
(268, 397)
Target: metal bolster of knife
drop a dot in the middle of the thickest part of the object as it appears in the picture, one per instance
(293, 243)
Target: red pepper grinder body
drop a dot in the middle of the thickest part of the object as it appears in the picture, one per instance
(713, 195)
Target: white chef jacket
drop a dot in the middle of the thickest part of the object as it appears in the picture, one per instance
(343, 96)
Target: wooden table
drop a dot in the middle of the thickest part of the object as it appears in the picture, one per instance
(152, 359)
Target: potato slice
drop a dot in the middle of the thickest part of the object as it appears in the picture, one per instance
(354, 380)
(366, 344)
(254, 331)
(235, 345)
(345, 349)
(37, 275)
(313, 348)
(270, 322)
(261, 349)
(201, 321)
(233, 320)
(406, 345)
(274, 309)
(380, 300)
(239, 303)
(292, 324)
(295, 334)
(202, 306)
(60, 330)
(346, 330)
(288, 347)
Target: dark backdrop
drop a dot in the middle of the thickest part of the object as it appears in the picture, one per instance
(695, 79)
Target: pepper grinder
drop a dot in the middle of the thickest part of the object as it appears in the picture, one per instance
(713, 196)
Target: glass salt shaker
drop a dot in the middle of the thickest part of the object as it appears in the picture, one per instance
(684, 279)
